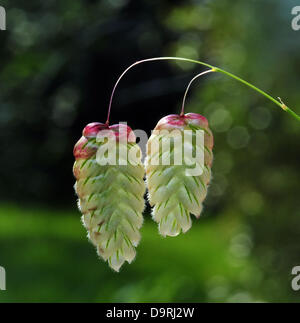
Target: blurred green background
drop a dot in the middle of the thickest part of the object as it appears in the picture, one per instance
(59, 61)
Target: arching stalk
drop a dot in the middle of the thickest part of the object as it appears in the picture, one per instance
(188, 87)
(213, 68)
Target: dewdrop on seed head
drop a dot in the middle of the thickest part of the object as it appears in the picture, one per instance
(111, 197)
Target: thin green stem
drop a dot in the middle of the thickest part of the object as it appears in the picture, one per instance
(215, 69)
(188, 87)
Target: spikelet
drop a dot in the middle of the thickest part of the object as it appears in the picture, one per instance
(173, 192)
(111, 197)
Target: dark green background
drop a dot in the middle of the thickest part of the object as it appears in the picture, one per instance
(58, 63)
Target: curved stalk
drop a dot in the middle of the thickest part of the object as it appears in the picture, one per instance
(188, 87)
(213, 68)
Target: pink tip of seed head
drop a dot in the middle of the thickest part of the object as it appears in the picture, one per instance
(170, 121)
(196, 119)
(123, 132)
(92, 129)
(180, 121)
(119, 131)
(82, 150)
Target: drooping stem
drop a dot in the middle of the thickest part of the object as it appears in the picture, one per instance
(143, 61)
(215, 69)
(188, 87)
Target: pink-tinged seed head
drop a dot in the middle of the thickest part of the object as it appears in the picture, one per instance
(196, 119)
(119, 131)
(85, 150)
(174, 121)
(92, 129)
(123, 132)
(82, 149)
(171, 121)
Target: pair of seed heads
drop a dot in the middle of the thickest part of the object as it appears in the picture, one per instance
(111, 196)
